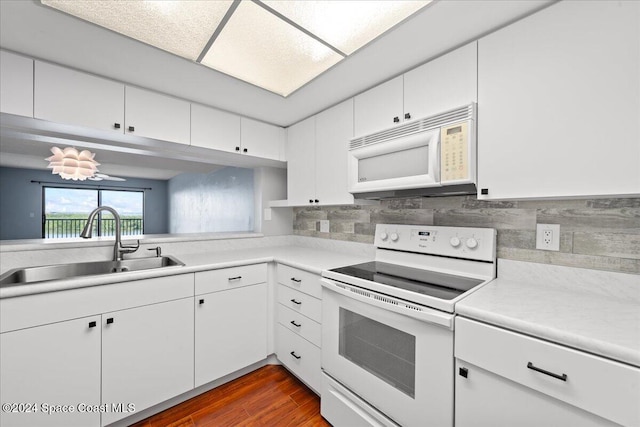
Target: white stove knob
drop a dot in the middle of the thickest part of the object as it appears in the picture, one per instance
(383, 236)
(472, 243)
(455, 242)
(394, 237)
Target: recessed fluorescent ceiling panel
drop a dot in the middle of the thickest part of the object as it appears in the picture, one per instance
(260, 48)
(348, 25)
(180, 27)
(276, 45)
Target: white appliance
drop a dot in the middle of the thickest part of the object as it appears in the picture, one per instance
(387, 325)
(434, 155)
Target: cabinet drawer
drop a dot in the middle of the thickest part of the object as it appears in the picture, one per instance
(301, 303)
(301, 325)
(300, 280)
(299, 356)
(230, 278)
(603, 387)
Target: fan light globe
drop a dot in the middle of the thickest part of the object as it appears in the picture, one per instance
(71, 164)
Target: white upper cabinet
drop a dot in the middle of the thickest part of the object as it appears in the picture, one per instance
(211, 128)
(16, 84)
(559, 103)
(448, 82)
(334, 129)
(379, 108)
(301, 162)
(261, 139)
(153, 115)
(71, 97)
(317, 157)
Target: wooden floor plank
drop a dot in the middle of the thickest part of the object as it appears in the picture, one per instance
(269, 396)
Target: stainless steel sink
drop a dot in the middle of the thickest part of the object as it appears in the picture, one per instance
(44, 273)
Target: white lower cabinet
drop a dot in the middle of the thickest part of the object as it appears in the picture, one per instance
(506, 378)
(298, 324)
(47, 366)
(230, 331)
(299, 356)
(147, 356)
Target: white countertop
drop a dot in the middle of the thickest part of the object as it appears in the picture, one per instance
(310, 259)
(602, 320)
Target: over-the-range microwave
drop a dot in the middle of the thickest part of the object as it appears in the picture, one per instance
(431, 156)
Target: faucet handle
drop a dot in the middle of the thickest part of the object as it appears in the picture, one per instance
(127, 249)
(158, 250)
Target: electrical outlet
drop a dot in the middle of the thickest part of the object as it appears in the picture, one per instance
(324, 225)
(548, 237)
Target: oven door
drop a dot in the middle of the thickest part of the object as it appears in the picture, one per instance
(411, 161)
(396, 356)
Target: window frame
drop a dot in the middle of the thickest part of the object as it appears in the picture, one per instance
(99, 199)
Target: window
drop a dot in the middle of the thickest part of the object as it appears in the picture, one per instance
(65, 211)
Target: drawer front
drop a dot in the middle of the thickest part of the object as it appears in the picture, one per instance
(299, 356)
(299, 324)
(230, 278)
(603, 387)
(300, 280)
(300, 303)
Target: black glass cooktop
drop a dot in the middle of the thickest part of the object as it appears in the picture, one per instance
(438, 285)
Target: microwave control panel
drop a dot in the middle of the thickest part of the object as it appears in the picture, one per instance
(454, 152)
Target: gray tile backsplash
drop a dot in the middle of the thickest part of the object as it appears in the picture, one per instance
(602, 234)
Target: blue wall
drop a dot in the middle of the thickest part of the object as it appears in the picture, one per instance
(21, 201)
(222, 200)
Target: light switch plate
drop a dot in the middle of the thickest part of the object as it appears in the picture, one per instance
(324, 225)
(548, 237)
(267, 214)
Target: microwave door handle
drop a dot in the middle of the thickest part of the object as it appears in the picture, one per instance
(434, 157)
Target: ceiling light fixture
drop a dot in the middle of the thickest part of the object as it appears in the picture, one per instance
(71, 164)
(277, 45)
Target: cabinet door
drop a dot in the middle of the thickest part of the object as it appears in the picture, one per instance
(448, 82)
(147, 356)
(231, 331)
(559, 101)
(67, 96)
(261, 139)
(157, 116)
(301, 162)
(56, 364)
(486, 399)
(211, 128)
(16, 84)
(376, 108)
(334, 129)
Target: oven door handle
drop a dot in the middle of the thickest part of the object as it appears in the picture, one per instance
(384, 302)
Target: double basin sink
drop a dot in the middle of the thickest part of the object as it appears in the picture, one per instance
(28, 275)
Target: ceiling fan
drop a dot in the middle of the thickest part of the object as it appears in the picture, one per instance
(104, 177)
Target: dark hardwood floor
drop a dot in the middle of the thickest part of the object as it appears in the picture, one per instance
(270, 396)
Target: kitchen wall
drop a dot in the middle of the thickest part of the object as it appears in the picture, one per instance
(222, 200)
(602, 234)
(21, 201)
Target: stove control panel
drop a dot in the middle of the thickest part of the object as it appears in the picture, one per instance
(459, 242)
